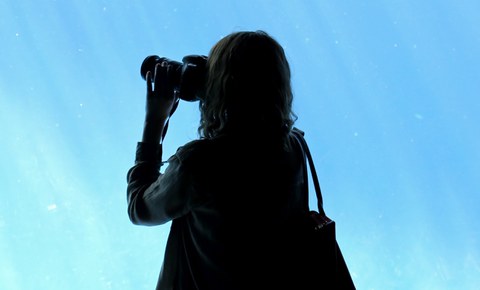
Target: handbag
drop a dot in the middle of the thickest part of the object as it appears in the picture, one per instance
(322, 261)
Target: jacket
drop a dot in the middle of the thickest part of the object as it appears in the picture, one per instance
(230, 201)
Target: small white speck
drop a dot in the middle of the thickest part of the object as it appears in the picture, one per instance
(355, 134)
(51, 207)
(419, 116)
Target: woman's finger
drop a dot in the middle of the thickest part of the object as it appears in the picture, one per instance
(148, 78)
(159, 76)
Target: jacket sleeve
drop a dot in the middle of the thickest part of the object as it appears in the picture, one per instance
(155, 198)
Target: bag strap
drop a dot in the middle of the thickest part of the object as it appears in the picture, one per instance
(299, 134)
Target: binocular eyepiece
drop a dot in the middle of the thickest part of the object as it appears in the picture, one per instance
(188, 76)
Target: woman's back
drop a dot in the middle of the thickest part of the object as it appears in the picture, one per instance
(249, 194)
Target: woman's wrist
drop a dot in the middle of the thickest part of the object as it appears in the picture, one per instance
(153, 131)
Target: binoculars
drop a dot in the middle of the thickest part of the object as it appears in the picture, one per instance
(188, 76)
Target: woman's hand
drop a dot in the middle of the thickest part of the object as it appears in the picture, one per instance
(161, 102)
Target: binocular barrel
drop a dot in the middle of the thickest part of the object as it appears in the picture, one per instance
(188, 76)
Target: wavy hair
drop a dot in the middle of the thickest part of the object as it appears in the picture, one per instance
(247, 88)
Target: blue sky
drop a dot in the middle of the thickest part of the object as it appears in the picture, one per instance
(387, 93)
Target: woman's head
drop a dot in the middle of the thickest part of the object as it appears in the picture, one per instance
(248, 87)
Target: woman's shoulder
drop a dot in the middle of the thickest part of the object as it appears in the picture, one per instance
(200, 149)
(227, 147)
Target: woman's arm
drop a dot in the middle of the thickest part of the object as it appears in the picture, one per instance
(161, 102)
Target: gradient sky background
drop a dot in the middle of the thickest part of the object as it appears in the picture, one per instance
(386, 91)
